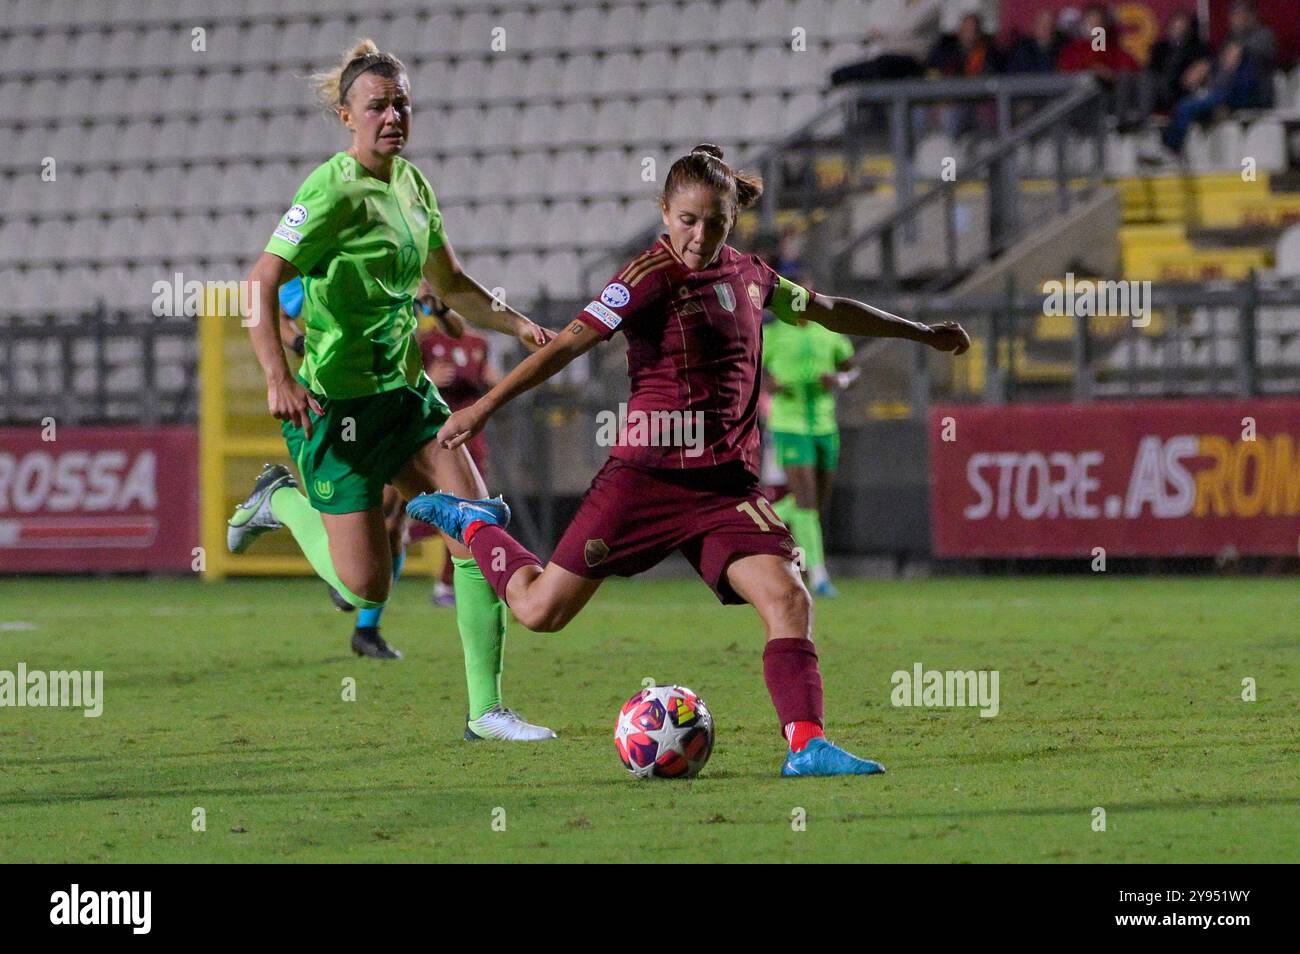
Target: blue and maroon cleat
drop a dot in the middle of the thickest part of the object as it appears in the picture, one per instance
(452, 514)
(821, 758)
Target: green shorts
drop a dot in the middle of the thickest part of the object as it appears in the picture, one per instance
(821, 451)
(360, 443)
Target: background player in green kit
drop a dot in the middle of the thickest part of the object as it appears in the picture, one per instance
(801, 364)
(362, 413)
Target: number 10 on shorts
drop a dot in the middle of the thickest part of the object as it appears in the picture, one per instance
(748, 509)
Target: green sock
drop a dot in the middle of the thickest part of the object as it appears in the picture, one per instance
(807, 529)
(294, 511)
(481, 619)
(785, 508)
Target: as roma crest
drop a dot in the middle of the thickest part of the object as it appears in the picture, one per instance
(756, 296)
(595, 552)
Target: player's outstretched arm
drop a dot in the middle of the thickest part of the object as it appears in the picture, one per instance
(475, 304)
(577, 339)
(857, 318)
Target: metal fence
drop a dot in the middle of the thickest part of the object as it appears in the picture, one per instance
(1237, 339)
(101, 366)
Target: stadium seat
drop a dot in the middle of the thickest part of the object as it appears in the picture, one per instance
(687, 70)
(15, 238)
(571, 123)
(458, 176)
(455, 127)
(1226, 141)
(617, 73)
(528, 175)
(1265, 141)
(1121, 154)
(1287, 256)
(725, 119)
(468, 81)
(564, 217)
(927, 161)
(561, 275)
(1197, 150)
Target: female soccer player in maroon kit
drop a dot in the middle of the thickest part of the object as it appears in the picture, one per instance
(683, 474)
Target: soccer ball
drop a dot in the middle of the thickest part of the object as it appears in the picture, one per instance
(664, 731)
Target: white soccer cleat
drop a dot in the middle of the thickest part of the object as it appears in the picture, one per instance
(506, 725)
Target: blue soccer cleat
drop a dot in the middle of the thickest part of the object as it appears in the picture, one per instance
(819, 757)
(826, 590)
(452, 514)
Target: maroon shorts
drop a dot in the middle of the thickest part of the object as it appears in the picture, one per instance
(632, 518)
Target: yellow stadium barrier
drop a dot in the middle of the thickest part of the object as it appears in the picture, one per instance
(236, 437)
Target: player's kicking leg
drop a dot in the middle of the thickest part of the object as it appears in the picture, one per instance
(544, 600)
(772, 586)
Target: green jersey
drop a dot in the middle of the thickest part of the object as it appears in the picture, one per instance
(360, 245)
(797, 355)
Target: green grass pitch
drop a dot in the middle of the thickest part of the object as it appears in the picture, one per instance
(1117, 693)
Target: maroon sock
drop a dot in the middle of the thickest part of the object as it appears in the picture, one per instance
(793, 680)
(497, 554)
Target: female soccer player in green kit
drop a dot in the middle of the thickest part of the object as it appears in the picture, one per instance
(362, 229)
(801, 363)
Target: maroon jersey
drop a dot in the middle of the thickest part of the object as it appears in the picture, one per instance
(469, 354)
(695, 343)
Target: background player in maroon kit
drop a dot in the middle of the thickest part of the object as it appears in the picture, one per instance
(691, 308)
(459, 364)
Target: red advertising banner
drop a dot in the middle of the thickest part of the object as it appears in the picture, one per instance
(96, 499)
(1141, 22)
(1140, 478)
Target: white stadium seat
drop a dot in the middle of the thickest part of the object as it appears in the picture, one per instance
(1288, 253)
(1265, 141)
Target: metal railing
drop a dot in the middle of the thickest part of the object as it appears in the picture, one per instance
(101, 366)
(1224, 339)
(1010, 113)
(996, 166)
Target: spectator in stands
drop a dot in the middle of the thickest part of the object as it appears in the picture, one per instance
(1240, 78)
(1258, 45)
(969, 52)
(1039, 51)
(1097, 48)
(1171, 56)
(900, 35)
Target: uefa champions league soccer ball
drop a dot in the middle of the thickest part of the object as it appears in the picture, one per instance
(664, 731)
